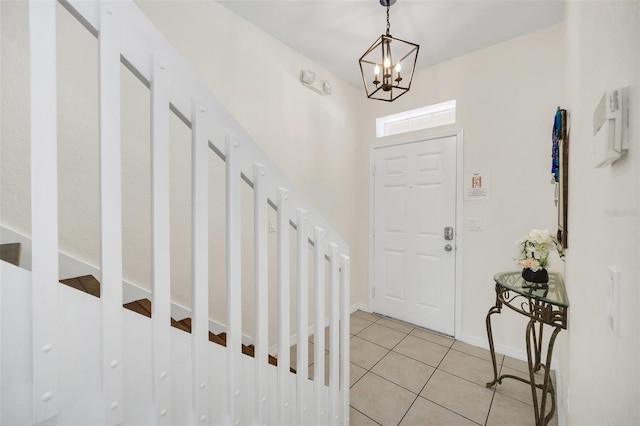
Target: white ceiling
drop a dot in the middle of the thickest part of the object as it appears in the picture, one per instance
(335, 33)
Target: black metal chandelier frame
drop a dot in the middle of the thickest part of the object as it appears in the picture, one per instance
(389, 84)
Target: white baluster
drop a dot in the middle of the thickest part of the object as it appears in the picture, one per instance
(234, 281)
(283, 306)
(302, 366)
(111, 213)
(345, 317)
(44, 208)
(200, 260)
(161, 257)
(334, 316)
(261, 293)
(318, 326)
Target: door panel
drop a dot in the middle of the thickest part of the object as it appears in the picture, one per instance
(414, 190)
(394, 261)
(394, 219)
(429, 292)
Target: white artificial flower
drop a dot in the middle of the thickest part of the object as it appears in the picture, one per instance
(535, 248)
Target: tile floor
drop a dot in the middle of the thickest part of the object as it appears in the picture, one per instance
(404, 375)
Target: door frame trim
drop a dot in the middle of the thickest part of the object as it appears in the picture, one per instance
(413, 137)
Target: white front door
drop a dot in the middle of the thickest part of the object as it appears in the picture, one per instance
(414, 236)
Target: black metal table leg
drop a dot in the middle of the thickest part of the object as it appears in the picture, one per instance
(534, 365)
(494, 310)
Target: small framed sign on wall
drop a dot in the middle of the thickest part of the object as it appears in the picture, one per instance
(477, 185)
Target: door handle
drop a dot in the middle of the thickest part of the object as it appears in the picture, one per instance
(448, 233)
(448, 247)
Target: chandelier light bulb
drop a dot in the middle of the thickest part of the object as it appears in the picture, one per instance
(398, 77)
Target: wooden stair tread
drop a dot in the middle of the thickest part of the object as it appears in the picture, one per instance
(180, 326)
(89, 284)
(142, 307)
(86, 283)
(185, 325)
(10, 252)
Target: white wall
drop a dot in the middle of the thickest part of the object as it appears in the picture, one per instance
(602, 369)
(506, 96)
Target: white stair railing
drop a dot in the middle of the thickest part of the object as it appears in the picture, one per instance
(269, 396)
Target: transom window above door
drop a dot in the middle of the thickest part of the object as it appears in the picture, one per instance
(417, 119)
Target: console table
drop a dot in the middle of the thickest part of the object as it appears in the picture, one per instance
(544, 305)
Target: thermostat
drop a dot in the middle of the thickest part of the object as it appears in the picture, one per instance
(611, 127)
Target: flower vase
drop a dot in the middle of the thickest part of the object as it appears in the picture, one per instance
(541, 276)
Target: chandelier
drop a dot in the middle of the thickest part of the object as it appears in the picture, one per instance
(387, 66)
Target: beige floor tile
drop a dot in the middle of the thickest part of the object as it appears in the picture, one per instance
(382, 335)
(426, 413)
(523, 367)
(404, 371)
(366, 315)
(508, 411)
(364, 353)
(355, 373)
(468, 367)
(381, 400)
(459, 395)
(433, 337)
(396, 325)
(357, 324)
(518, 390)
(356, 418)
(421, 350)
(516, 364)
(476, 351)
(540, 376)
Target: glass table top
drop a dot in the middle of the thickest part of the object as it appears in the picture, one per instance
(555, 293)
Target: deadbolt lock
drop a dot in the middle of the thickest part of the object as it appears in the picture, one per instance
(448, 233)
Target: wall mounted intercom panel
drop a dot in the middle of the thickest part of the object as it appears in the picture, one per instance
(611, 127)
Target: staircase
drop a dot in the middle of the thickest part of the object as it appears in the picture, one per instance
(90, 285)
(78, 354)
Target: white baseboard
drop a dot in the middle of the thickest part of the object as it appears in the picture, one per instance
(360, 307)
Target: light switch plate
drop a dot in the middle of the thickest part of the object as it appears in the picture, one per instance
(613, 296)
(475, 224)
